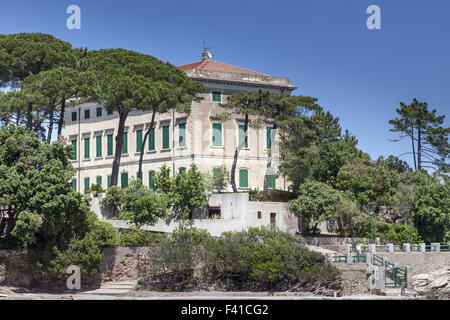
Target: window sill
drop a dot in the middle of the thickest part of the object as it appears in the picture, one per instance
(151, 151)
(109, 157)
(98, 158)
(217, 147)
(165, 150)
(182, 148)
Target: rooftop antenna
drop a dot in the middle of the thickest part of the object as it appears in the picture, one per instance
(206, 54)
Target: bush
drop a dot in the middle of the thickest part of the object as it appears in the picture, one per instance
(265, 259)
(257, 259)
(396, 233)
(113, 199)
(138, 238)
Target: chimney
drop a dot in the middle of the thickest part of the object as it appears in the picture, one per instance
(205, 56)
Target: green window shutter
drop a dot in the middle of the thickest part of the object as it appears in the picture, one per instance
(87, 114)
(74, 185)
(87, 148)
(217, 134)
(243, 178)
(98, 145)
(181, 170)
(99, 111)
(138, 140)
(125, 143)
(165, 137)
(242, 135)
(108, 181)
(74, 146)
(124, 180)
(109, 112)
(151, 180)
(271, 180)
(74, 116)
(217, 96)
(182, 134)
(99, 180)
(110, 145)
(151, 140)
(87, 184)
(269, 140)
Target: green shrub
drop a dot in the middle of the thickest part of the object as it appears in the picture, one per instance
(113, 199)
(138, 238)
(257, 259)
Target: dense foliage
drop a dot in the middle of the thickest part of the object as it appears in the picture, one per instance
(43, 211)
(258, 259)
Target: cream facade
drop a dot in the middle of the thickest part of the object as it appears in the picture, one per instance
(178, 139)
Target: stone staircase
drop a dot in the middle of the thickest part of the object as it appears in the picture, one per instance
(115, 288)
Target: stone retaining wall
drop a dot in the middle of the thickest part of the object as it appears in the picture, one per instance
(120, 263)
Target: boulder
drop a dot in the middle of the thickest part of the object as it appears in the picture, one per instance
(435, 284)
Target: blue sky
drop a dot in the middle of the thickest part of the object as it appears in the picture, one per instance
(324, 46)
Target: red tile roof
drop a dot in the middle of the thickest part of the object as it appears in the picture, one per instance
(211, 65)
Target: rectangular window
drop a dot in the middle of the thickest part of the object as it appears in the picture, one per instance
(217, 134)
(269, 139)
(108, 181)
(151, 140)
(87, 114)
(243, 178)
(74, 185)
(165, 142)
(99, 111)
(182, 134)
(217, 96)
(109, 145)
(271, 181)
(109, 112)
(124, 180)
(99, 180)
(182, 170)
(74, 146)
(74, 116)
(125, 143)
(86, 184)
(98, 146)
(242, 135)
(138, 140)
(87, 148)
(151, 180)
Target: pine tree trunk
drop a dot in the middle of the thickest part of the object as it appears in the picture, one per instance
(419, 150)
(61, 117)
(118, 151)
(236, 155)
(413, 148)
(50, 125)
(141, 156)
(30, 117)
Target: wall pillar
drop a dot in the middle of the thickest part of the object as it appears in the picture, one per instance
(369, 259)
(407, 247)
(359, 247)
(422, 247)
(372, 248)
(349, 258)
(409, 273)
(437, 246)
(390, 247)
